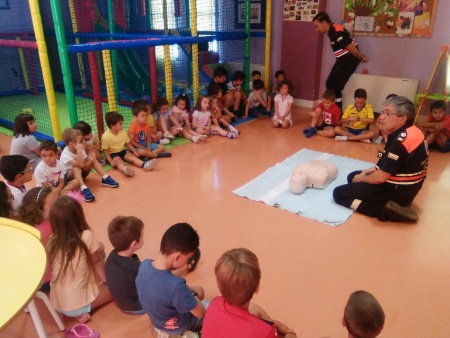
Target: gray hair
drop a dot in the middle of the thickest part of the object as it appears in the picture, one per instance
(403, 106)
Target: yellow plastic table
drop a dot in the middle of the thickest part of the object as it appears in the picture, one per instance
(22, 267)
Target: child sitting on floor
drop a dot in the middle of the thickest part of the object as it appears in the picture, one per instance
(436, 128)
(173, 306)
(217, 118)
(76, 258)
(257, 101)
(356, 120)
(217, 91)
(283, 104)
(256, 75)
(139, 133)
(180, 118)
(156, 135)
(50, 172)
(363, 316)
(91, 141)
(161, 115)
(232, 315)
(23, 142)
(126, 236)
(201, 120)
(237, 96)
(35, 211)
(78, 165)
(16, 169)
(114, 141)
(324, 117)
(6, 199)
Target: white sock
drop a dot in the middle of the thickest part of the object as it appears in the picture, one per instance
(105, 177)
(83, 187)
(233, 129)
(340, 138)
(195, 139)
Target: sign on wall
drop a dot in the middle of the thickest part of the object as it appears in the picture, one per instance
(257, 14)
(300, 10)
(413, 18)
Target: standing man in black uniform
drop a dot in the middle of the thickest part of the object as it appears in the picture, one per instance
(346, 51)
(387, 189)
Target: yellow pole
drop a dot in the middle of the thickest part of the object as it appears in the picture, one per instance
(167, 62)
(168, 74)
(194, 50)
(26, 79)
(45, 65)
(109, 80)
(267, 45)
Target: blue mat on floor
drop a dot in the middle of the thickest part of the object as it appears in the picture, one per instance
(272, 188)
(241, 120)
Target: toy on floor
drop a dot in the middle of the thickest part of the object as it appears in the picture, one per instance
(313, 174)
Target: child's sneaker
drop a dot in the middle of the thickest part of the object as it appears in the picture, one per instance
(169, 135)
(109, 182)
(311, 132)
(102, 162)
(149, 165)
(88, 197)
(232, 135)
(164, 141)
(164, 154)
(128, 171)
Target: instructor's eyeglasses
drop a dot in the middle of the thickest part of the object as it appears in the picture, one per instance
(387, 113)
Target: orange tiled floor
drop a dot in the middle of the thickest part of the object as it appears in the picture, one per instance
(308, 268)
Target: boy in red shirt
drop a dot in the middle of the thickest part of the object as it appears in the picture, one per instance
(437, 127)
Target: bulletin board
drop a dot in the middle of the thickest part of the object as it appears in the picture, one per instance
(401, 18)
(300, 10)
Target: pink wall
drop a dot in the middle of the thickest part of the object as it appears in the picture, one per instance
(303, 51)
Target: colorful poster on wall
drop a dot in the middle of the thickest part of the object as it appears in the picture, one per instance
(402, 18)
(257, 14)
(300, 10)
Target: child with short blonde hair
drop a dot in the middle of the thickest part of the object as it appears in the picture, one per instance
(78, 164)
(232, 315)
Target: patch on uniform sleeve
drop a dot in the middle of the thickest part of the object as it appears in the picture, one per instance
(401, 137)
(393, 156)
